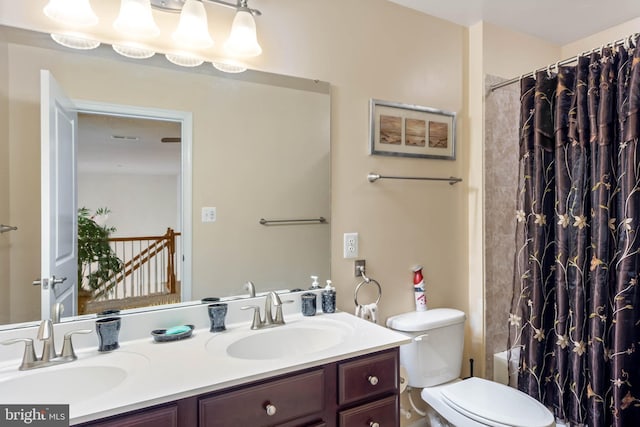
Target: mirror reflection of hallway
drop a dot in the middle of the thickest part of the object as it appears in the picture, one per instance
(131, 167)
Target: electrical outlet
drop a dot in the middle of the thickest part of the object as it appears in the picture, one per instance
(209, 214)
(350, 245)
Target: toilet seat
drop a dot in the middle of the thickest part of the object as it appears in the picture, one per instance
(494, 404)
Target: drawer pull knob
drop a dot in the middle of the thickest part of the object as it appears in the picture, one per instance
(374, 424)
(373, 380)
(271, 409)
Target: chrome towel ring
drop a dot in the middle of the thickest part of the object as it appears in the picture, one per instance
(366, 281)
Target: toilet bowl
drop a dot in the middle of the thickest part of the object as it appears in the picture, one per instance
(433, 362)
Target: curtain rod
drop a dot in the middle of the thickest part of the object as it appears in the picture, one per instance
(633, 38)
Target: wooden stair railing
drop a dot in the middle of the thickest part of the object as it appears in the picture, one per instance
(158, 249)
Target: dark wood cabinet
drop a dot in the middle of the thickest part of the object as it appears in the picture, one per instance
(356, 392)
(272, 403)
(382, 412)
(166, 416)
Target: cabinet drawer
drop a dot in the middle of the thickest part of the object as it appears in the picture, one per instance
(292, 397)
(384, 412)
(367, 377)
(160, 417)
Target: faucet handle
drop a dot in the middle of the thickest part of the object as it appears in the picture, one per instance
(257, 321)
(67, 345)
(29, 356)
(279, 320)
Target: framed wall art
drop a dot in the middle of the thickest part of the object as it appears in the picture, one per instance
(411, 131)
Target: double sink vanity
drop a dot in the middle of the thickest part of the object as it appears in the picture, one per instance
(324, 370)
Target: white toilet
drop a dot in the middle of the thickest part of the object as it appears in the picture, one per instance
(433, 362)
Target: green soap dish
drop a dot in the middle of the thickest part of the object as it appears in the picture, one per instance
(175, 333)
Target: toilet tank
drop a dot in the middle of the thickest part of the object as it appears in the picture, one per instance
(434, 355)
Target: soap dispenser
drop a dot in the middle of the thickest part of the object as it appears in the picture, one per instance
(315, 284)
(329, 298)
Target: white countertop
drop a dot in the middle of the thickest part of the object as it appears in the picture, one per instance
(163, 372)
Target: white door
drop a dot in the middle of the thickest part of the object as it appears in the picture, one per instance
(59, 130)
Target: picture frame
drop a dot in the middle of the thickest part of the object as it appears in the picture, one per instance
(406, 130)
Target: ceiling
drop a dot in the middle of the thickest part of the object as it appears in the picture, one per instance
(556, 21)
(131, 145)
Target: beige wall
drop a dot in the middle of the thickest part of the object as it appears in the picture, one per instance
(603, 37)
(141, 205)
(5, 238)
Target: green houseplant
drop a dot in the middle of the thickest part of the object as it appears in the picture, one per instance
(97, 262)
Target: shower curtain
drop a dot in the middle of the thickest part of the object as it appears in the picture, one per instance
(576, 307)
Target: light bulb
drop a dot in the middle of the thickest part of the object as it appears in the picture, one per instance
(243, 40)
(135, 19)
(75, 13)
(193, 28)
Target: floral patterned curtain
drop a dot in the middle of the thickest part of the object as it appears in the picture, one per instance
(576, 307)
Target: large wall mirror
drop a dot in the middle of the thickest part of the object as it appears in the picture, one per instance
(259, 150)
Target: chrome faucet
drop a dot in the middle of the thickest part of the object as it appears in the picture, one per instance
(249, 286)
(49, 355)
(272, 300)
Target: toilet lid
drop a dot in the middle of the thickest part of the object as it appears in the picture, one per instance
(496, 404)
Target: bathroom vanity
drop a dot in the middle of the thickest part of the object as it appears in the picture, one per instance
(359, 391)
(325, 370)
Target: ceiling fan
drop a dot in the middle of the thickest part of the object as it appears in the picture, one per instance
(171, 139)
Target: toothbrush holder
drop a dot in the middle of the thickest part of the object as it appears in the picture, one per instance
(108, 330)
(217, 314)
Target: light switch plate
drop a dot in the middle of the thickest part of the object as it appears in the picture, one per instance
(209, 214)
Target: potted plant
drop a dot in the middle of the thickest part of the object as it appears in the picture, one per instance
(97, 262)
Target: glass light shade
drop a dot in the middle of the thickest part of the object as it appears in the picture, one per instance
(75, 13)
(133, 50)
(193, 28)
(184, 59)
(243, 40)
(74, 41)
(135, 19)
(229, 67)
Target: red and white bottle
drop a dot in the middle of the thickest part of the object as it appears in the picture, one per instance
(418, 289)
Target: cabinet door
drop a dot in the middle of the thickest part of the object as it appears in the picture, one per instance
(368, 377)
(382, 413)
(158, 417)
(271, 403)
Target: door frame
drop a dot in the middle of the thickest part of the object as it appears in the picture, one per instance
(185, 118)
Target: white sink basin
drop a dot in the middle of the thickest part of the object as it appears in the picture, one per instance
(290, 340)
(90, 377)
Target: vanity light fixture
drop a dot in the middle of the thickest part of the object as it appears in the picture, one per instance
(243, 39)
(184, 59)
(136, 23)
(75, 41)
(133, 50)
(135, 19)
(229, 66)
(74, 13)
(193, 28)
